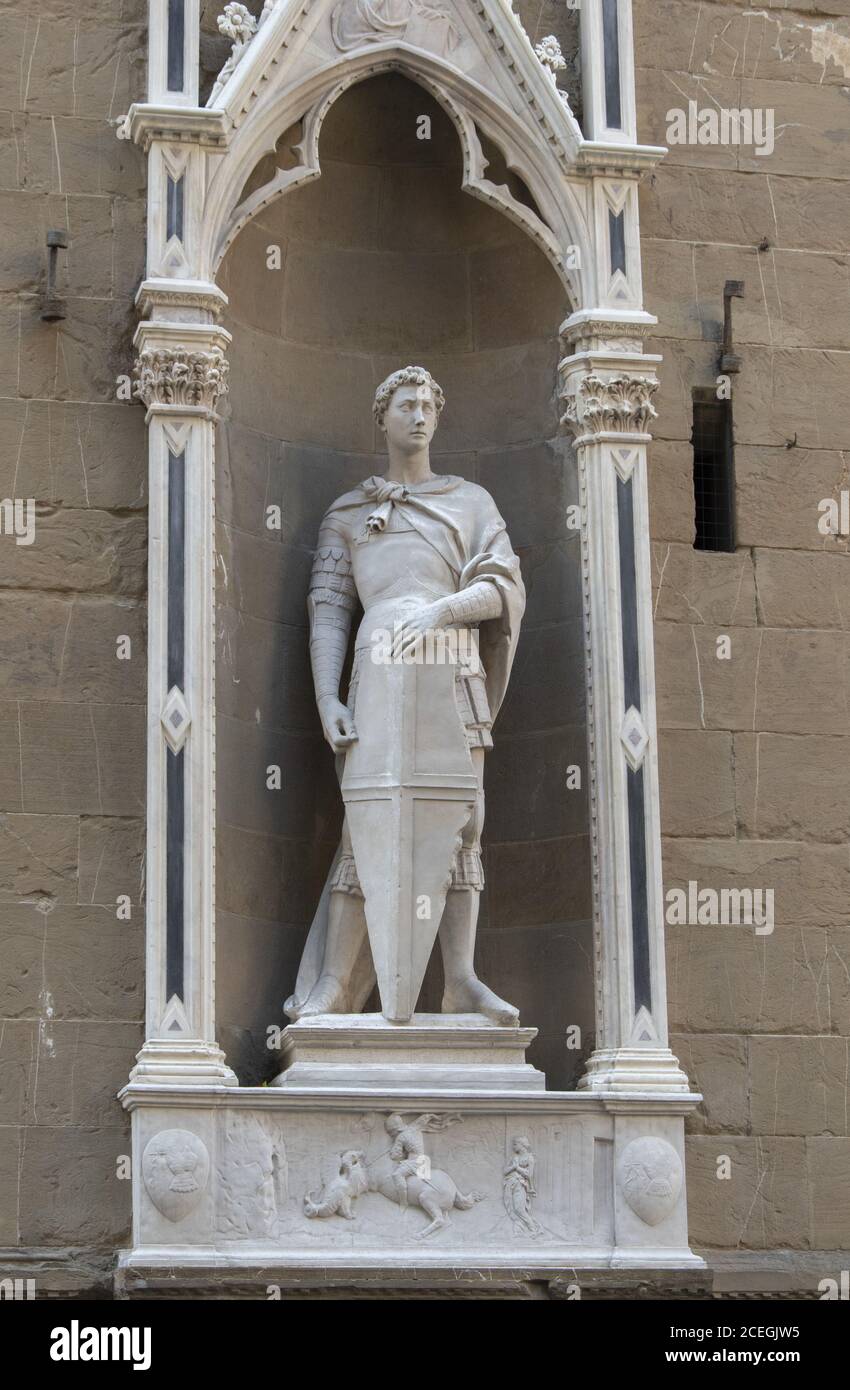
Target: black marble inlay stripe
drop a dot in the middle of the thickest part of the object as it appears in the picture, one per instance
(176, 567)
(175, 784)
(640, 904)
(174, 208)
(176, 44)
(617, 237)
(175, 794)
(611, 43)
(628, 593)
(635, 781)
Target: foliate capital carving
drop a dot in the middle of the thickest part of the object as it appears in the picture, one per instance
(180, 377)
(620, 404)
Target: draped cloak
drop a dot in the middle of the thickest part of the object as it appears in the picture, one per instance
(460, 521)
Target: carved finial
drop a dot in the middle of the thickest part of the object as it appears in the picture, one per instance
(237, 23)
(548, 50)
(549, 53)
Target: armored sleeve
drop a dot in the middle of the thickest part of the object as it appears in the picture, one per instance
(331, 600)
(332, 581)
(476, 604)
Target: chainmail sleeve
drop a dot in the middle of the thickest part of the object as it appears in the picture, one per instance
(331, 602)
(476, 604)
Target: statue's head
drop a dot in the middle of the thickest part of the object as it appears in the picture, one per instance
(394, 1124)
(408, 407)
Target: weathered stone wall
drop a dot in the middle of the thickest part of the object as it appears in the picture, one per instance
(755, 766)
(72, 719)
(384, 260)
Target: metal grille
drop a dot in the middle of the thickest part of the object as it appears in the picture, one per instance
(714, 484)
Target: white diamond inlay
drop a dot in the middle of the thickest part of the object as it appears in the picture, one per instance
(634, 738)
(175, 719)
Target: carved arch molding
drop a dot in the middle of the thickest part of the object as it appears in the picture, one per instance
(292, 64)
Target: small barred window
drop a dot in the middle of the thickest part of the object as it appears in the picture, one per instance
(714, 473)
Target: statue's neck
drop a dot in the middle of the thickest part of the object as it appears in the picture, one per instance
(410, 468)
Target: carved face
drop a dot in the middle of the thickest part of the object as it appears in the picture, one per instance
(411, 419)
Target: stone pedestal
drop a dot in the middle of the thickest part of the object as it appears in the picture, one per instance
(302, 1177)
(434, 1052)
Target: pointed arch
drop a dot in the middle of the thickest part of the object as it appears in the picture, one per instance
(562, 230)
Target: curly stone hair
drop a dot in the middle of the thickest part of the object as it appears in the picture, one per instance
(407, 376)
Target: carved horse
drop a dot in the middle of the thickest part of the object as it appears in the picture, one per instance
(435, 1194)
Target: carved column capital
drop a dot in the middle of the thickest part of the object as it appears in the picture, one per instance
(616, 404)
(180, 377)
(180, 368)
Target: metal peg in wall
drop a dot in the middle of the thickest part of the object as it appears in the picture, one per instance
(729, 359)
(52, 308)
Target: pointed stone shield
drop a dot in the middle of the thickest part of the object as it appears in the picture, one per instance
(650, 1176)
(175, 1168)
(409, 788)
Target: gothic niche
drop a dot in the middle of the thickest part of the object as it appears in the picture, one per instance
(381, 262)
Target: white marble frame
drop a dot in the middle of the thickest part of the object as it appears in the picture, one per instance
(291, 71)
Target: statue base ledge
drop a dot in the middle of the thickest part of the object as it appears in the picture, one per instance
(433, 1052)
(211, 1272)
(257, 1178)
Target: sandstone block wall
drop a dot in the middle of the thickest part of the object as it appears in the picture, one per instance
(72, 714)
(755, 750)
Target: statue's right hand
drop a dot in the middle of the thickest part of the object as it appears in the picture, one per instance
(337, 724)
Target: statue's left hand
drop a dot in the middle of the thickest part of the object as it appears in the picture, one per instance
(411, 632)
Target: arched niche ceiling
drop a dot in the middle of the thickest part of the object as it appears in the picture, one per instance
(385, 260)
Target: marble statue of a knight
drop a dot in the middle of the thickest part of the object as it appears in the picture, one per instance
(427, 558)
